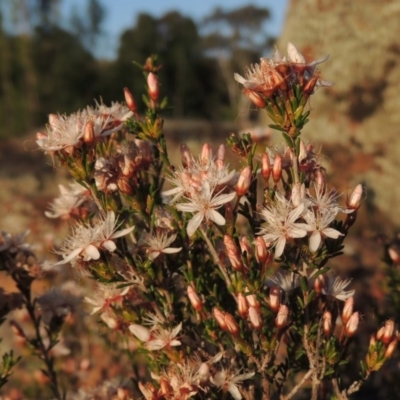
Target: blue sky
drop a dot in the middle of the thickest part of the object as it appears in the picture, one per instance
(121, 14)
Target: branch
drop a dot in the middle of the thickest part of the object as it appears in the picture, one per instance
(298, 386)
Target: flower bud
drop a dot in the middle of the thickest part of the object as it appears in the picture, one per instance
(221, 152)
(277, 169)
(391, 348)
(152, 82)
(320, 182)
(242, 305)
(186, 156)
(244, 181)
(327, 323)
(255, 318)
(352, 325)
(388, 332)
(347, 309)
(194, 298)
(281, 319)
(353, 202)
(251, 299)
(274, 298)
(245, 247)
(233, 253)
(255, 98)
(232, 325)
(265, 167)
(88, 135)
(319, 283)
(372, 342)
(394, 255)
(261, 250)
(130, 101)
(220, 318)
(379, 334)
(206, 154)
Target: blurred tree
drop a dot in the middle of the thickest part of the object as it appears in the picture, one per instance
(87, 23)
(186, 75)
(236, 38)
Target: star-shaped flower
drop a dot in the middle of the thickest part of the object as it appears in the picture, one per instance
(204, 206)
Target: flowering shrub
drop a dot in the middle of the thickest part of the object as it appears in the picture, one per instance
(218, 278)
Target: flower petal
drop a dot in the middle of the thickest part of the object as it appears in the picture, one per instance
(194, 223)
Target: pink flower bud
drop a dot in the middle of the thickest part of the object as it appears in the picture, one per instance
(261, 250)
(388, 332)
(152, 82)
(277, 169)
(379, 334)
(255, 98)
(352, 325)
(54, 120)
(354, 200)
(265, 167)
(244, 181)
(232, 326)
(220, 318)
(327, 323)
(319, 283)
(274, 298)
(130, 101)
(194, 298)
(251, 299)
(246, 247)
(221, 152)
(372, 341)
(242, 305)
(320, 182)
(347, 310)
(186, 156)
(206, 154)
(255, 318)
(233, 253)
(394, 255)
(391, 348)
(281, 319)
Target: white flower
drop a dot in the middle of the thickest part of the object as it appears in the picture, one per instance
(204, 206)
(158, 337)
(63, 131)
(160, 244)
(228, 381)
(105, 296)
(281, 223)
(319, 226)
(286, 280)
(86, 240)
(335, 287)
(69, 199)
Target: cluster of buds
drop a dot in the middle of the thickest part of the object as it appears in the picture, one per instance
(277, 83)
(123, 170)
(382, 346)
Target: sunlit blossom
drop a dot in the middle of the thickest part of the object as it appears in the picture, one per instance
(229, 381)
(159, 243)
(281, 224)
(204, 206)
(336, 287)
(86, 241)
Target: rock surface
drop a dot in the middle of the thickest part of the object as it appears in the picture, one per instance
(358, 119)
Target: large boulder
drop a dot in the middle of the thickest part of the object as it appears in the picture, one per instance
(358, 119)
